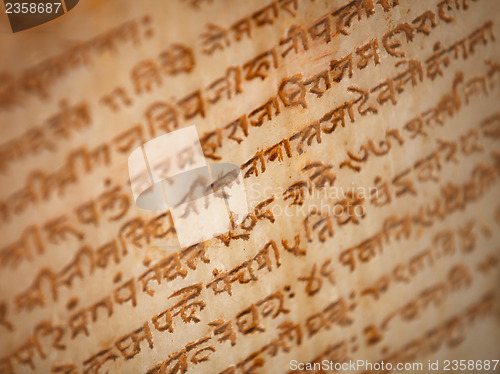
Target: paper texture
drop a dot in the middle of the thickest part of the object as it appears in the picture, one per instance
(357, 216)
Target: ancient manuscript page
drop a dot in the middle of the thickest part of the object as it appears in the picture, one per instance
(358, 147)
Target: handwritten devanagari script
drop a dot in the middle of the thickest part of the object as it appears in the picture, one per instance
(268, 186)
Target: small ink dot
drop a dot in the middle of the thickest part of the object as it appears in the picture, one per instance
(117, 278)
(72, 303)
